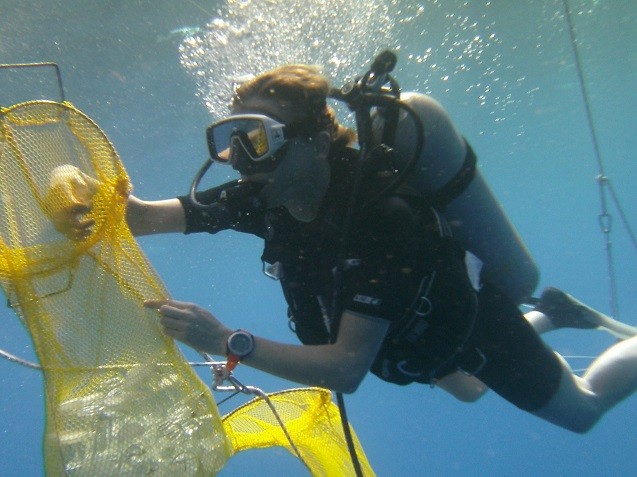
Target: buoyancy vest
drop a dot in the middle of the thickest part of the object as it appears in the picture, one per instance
(425, 334)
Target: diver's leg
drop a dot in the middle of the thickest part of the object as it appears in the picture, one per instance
(469, 388)
(463, 387)
(570, 313)
(581, 401)
(557, 309)
(540, 322)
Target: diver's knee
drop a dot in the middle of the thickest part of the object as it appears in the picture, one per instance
(580, 419)
(463, 387)
(573, 406)
(581, 425)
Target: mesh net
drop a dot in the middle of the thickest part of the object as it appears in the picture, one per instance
(313, 421)
(120, 399)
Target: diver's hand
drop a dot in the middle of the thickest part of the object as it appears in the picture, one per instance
(192, 325)
(69, 200)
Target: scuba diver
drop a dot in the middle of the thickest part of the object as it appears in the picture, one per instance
(378, 275)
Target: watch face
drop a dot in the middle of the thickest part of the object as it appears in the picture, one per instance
(240, 344)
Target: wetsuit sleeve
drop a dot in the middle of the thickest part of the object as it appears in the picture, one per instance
(233, 205)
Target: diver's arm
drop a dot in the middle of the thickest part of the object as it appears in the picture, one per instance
(155, 217)
(182, 215)
(340, 366)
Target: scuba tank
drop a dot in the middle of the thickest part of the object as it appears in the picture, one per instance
(477, 220)
(433, 162)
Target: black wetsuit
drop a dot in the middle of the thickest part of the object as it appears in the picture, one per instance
(400, 265)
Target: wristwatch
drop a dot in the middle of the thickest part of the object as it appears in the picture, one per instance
(239, 345)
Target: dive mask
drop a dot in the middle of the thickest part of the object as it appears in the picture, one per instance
(248, 142)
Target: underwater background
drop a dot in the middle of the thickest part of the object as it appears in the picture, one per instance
(154, 73)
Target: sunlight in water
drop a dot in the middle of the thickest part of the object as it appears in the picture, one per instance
(247, 37)
(439, 51)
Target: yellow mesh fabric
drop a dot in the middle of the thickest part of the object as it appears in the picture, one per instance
(314, 423)
(120, 400)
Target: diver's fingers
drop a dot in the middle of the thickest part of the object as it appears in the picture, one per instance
(79, 209)
(84, 225)
(81, 229)
(172, 307)
(75, 226)
(80, 234)
(89, 181)
(183, 305)
(175, 328)
(154, 304)
(179, 324)
(181, 311)
(174, 313)
(191, 324)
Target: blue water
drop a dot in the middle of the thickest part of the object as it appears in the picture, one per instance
(504, 70)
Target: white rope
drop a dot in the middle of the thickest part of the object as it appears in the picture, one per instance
(16, 359)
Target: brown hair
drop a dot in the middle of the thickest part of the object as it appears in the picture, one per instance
(306, 89)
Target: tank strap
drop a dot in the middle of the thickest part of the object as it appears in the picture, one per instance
(456, 186)
(451, 190)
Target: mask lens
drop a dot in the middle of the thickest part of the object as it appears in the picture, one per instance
(250, 133)
(259, 139)
(250, 143)
(239, 157)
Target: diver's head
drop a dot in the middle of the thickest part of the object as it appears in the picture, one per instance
(282, 132)
(297, 95)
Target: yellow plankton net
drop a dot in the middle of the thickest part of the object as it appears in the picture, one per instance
(120, 398)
